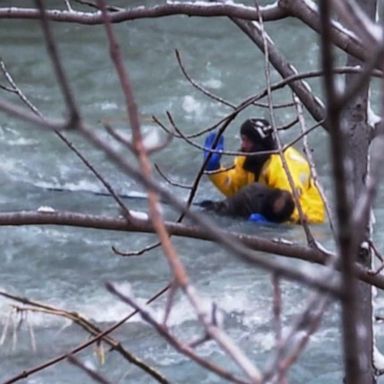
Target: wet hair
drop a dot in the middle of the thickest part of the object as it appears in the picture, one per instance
(278, 206)
(260, 132)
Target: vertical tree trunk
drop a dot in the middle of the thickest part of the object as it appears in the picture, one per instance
(354, 124)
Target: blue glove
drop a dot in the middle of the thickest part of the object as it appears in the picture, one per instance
(214, 160)
(258, 218)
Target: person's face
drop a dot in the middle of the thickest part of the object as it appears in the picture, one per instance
(247, 145)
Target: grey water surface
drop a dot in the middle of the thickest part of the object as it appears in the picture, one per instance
(68, 267)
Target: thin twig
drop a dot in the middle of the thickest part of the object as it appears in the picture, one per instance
(97, 338)
(164, 332)
(217, 98)
(69, 7)
(314, 175)
(297, 336)
(63, 138)
(288, 173)
(85, 324)
(170, 299)
(199, 87)
(97, 377)
(280, 84)
(92, 4)
(277, 321)
(136, 253)
(62, 80)
(150, 149)
(169, 181)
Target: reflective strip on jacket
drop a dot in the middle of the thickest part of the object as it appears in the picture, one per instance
(231, 180)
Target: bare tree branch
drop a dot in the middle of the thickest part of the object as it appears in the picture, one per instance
(118, 15)
(97, 338)
(90, 372)
(181, 347)
(88, 327)
(98, 175)
(74, 113)
(287, 171)
(308, 12)
(346, 244)
(312, 103)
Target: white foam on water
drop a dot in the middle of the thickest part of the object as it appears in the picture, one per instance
(193, 107)
(80, 185)
(108, 106)
(213, 83)
(21, 142)
(217, 308)
(152, 137)
(139, 214)
(85, 185)
(105, 307)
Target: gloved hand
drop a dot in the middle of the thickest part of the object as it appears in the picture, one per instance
(214, 160)
(258, 218)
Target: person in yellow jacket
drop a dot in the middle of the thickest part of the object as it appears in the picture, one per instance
(257, 136)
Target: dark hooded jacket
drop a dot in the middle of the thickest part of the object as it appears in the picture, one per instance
(274, 204)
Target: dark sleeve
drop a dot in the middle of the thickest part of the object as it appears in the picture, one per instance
(248, 200)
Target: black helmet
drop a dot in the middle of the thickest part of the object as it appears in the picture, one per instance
(260, 132)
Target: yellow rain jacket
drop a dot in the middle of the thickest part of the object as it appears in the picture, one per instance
(230, 181)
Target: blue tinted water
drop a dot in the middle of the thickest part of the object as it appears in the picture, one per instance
(68, 267)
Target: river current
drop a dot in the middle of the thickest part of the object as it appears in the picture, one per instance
(68, 267)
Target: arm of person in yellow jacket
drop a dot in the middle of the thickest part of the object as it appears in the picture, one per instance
(230, 180)
(309, 197)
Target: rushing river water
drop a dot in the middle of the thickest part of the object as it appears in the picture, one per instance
(68, 267)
